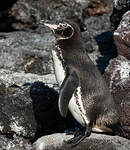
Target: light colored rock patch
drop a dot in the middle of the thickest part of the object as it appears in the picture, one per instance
(10, 145)
(83, 3)
(15, 126)
(123, 69)
(20, 78)
(1, 128)
(124, 24)
(118, 4)
(54, 140)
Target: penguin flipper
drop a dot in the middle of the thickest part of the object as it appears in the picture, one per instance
(67, 89)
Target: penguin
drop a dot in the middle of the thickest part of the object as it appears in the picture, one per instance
(83, 90)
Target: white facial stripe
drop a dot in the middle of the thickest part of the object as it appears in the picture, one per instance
(60, 25)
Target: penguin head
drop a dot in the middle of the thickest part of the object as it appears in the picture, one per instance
(62, 30)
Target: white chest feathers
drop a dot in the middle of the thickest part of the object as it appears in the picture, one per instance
(58, 68)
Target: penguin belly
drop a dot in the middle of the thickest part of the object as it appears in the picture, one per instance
(77, 109)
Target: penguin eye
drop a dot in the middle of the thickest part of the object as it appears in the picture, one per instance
(67, 32)
(58, 31)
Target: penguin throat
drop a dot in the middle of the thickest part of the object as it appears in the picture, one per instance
(59, 54)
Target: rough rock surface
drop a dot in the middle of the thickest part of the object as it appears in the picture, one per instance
(25, 58)
(122, 36)
(97, 33)
(94, 142)
(28, 13)
(15, 143)
(5, 19)
(83, 3)
(26, 51)
(97, 23)
(97, 8)
(16, 105)
(120, 4)
(120, 8)
(17, 114)
(117, 75)
(101, 48)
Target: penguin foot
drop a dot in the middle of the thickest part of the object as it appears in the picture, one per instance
(75, 140)
(75, 133)
(80, 137)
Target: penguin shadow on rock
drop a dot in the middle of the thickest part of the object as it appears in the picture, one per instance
(46, 111)
(107, 49)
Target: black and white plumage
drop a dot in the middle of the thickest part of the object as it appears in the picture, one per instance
(82, 88)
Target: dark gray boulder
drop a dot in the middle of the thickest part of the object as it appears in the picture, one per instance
(28, 13)
(122, 36)
(17, 113)
(120, 7)
(117, 76)
(27, 52)
(23, 56)
(16, 105)
(17, 143)
(97, 35)
(94, 142)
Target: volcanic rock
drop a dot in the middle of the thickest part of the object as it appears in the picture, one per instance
(122, 36)
(94, 142)
(117, 76)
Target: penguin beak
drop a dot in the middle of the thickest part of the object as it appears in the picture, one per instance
(51, 26)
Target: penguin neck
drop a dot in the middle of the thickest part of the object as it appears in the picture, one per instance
(68, 44)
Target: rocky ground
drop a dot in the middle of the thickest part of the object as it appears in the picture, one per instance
(26, 70)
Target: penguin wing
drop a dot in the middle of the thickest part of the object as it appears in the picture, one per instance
(67, 89)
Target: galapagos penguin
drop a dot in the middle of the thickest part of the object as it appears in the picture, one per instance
(83, 90)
